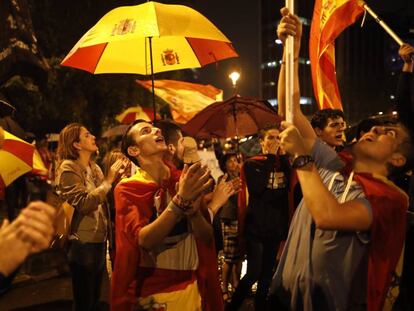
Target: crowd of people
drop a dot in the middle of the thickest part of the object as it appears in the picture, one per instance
(321, 223)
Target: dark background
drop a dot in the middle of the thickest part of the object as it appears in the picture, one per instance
(48, 96)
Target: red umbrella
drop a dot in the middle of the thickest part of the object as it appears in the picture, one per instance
(236, 116)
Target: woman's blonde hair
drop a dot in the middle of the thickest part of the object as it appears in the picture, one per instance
(69, 135)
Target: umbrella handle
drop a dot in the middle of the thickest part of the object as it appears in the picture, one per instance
(154, 118)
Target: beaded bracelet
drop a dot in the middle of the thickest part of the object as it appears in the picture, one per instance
(182, 203)
(175, 209)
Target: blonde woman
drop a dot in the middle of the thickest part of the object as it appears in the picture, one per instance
(83, 185)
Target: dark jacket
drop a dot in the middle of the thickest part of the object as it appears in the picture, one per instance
(267, 179)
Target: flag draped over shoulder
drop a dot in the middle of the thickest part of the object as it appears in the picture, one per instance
(330, 18)
(185, 99)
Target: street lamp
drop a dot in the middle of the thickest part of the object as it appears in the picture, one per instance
(234, 76)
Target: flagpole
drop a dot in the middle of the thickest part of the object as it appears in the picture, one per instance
(384, 25)
(289, 68)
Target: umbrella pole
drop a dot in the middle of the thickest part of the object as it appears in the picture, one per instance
(152, 81)
(235, 125)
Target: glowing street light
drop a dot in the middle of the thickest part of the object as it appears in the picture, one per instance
(234, 76)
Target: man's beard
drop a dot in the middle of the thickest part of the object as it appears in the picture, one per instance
(179, 163)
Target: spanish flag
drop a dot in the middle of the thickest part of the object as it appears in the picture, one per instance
(330, 18)
(185, 99)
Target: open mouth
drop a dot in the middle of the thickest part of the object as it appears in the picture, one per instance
(368, 138)
(338, 137)
(160, 139)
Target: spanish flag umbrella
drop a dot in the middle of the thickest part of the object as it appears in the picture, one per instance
(149, 38)
(16, 159)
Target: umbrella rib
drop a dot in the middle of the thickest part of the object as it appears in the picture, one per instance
(100, 56)
(186, 39)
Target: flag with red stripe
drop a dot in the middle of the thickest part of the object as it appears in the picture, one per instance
(330, 18)
(184, 98)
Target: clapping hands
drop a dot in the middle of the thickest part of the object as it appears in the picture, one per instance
(29, 233)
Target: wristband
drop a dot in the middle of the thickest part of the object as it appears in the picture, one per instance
(301, 161)
(175, 209)
(184, 205)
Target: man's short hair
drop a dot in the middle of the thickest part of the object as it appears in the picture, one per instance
(263, 131)
(223, 160)
(406, 148)
(365, 126)
(320, 118)
(169, 130)
(128, 141)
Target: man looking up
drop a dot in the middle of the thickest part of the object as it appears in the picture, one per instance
(348, 232)
(174, 140)
(159, 230)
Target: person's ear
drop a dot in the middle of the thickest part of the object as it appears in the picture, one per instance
(262, 144)
(133, 151)
(77, 146)
(397, 159)
(318, 131)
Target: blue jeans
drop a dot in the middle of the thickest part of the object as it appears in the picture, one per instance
(87, 264)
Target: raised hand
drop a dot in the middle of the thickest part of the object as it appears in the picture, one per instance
(291, 25)
(194, 180)
(116, 169)
(406, 52)
(291, 140)
(222, 192)
(38, 219)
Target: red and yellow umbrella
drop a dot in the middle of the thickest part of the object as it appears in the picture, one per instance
(16, 159)
(39, 167)
(120, 41)
(149, 38)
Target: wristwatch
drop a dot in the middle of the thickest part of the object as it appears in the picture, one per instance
(301, 161)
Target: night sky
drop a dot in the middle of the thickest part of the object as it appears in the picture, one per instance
(240, 22)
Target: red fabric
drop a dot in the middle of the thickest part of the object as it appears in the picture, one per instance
(127, 197)
(389, 211)
(154, 281)
(22, 150)
(134, 202)
(85, 58)
(211, 51)
(207, 275)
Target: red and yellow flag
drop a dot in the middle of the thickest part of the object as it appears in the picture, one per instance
(330, 18)
(185, 99)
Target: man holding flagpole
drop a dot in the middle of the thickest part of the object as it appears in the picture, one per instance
(347, 234)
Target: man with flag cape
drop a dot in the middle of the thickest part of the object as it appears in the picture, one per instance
(347, 234)
(165, 258)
